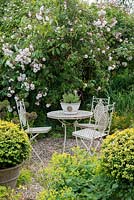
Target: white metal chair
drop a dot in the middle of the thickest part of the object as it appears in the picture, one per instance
(98, 107)
(91, 138)
(33, 132)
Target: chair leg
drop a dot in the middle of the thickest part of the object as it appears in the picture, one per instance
(38, 156)
(76, 141)
(34, 136)
(88, 148)
(98, 143)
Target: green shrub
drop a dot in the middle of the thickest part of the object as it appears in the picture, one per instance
(68, 176)
(121, 122)
(118, 155)
(8, 194)
(4, 105)
(64, 194)
(25, 177)
(105, 187)
(123, 98)
(15, 146)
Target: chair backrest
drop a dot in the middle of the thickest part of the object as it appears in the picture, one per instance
(22, 113)
(96, 100)
(98, 106)
(104, 122)
(98, 110)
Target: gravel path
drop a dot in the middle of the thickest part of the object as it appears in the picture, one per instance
(44, 147)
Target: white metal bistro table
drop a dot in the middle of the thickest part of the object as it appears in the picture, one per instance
(63, 118)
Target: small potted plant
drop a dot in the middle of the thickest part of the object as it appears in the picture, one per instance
(70, 103)
(15, 147)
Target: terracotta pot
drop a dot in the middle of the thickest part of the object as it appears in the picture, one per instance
(9, 176)
(70, 108)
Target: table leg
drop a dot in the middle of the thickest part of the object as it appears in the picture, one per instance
(75, 126)
(65, 136)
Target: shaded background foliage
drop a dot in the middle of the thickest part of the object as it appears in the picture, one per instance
(66, 45)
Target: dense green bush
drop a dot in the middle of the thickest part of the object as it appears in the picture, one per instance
(122, 121)
(105, 187)
(49, 47)
(68, 176)
(25, 177)
(15, 146)
(118, 155)
(8, 194)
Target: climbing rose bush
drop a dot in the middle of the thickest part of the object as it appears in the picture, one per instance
(50, 47)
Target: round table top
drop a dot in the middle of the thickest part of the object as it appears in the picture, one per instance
(59, 114)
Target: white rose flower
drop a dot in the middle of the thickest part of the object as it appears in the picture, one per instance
(130, 58)
(19, 78)
(12, 91)
(45, 94)
(29, 14)
(85, 85)
(9, 94)
(39, 17)
(110, 58)
(97, 23)
(37, 103)
(113, 66)
(101, 13)
(39, 95)
(31, 47)
(44, 59)
(124, 64)
(110, 68)
(35, 70)
(108, 29)
(48, 105)
(85, 56)
(104, 23)
(41, 8)
(16, 98)
(11, 80)
(47, 18)
(99, 88)
(9, 109)
(32, 86)
(29, 26)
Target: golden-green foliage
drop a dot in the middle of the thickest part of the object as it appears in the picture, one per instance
(82, 177)
(25, 177)
(64, 194)
(121, 122)
(118, 155)
(8, 194)
(14, 145)
(67, 176)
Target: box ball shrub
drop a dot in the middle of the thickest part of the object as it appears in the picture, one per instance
(118, 155)
(15, 146)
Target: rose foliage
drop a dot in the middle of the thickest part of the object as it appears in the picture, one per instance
(48, 47)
